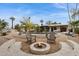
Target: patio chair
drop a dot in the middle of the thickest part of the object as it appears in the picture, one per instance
(50, 37)
(31, 38)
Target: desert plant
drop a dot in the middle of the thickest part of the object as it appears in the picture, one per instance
(77, 30)
(17, 27)
(27, 24)
(3, 25)
(75, 25)
(4, 33)
(37, 28)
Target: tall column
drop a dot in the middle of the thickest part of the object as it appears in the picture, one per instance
(49, 29)
(58, 28)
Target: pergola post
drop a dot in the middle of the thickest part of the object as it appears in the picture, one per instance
(58, 28)
(49, 29)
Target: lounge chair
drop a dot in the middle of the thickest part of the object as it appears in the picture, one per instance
(31, 38)
(51, 37)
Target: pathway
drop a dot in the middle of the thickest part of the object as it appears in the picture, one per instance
(12, 48)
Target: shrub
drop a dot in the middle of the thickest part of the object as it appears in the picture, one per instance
(77, 30)
(4, 33)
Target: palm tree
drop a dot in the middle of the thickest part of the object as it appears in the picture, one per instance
(41, 21)
(74, 12)
(73, 16)
(12, 18)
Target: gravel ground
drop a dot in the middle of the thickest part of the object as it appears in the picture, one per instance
(14, 50)
(60, 37)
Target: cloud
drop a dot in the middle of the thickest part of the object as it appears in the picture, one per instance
(54, 17)
(18, 13)
(57, 16)
(23, 11)
(60, 5)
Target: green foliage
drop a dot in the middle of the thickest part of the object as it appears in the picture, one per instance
(37, 28)
(75, 26)
(77, 30)
(27, 24)
(3, 24)
(75, 23)
(17, 27)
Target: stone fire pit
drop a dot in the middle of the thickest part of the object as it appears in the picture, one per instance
(39, 48)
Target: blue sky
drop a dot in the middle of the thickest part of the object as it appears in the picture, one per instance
(37, 11)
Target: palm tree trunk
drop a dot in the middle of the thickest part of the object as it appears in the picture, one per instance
(12, 24)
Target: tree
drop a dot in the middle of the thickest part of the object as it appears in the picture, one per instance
(37, 28)
(56, 23)
(3, 24)
(75, 25)
(17, 27)
(74, 12)
(41, 21)
(72, 16)
(27, 24)
(12, 19)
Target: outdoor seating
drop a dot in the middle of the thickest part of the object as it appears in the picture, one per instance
(31, 38)
(50, 37)
(70, 34)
